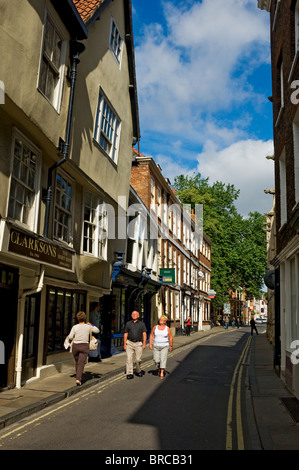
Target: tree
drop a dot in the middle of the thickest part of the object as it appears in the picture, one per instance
(239, 244)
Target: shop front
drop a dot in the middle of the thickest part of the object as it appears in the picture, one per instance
(42, 287)
(130, 291)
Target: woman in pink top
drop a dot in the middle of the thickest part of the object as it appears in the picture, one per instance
(160, 341)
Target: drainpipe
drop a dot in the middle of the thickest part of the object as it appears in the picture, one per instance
(76, 48)
(21, 325)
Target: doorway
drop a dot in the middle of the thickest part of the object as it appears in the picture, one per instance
(9, 282)
(31, 329)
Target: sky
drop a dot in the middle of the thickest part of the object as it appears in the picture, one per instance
(203, 80)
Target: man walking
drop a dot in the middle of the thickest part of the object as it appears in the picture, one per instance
(134, 341)
(253, 326)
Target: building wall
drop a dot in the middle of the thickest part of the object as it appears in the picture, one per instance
(97, 71)
(20, 49)
(285, 70)
(182, 246)
(53, 289)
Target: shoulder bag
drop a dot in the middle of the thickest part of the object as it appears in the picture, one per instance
(93, 342)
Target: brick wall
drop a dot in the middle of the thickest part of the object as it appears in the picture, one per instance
(283, 51)
(141, 182)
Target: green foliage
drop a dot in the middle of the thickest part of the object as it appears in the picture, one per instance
(239, 244)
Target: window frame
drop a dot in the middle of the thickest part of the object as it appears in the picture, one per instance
(99, 249)
(295, 129)
(115, 42)
(35, 190)
(70, 212)
(114, 142)
(55, 101)
(62, 306)
(283, 188)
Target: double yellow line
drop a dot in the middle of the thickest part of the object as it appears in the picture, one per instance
(235, 391)
(18, 431)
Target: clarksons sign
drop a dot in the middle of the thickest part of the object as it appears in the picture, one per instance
(38, 249)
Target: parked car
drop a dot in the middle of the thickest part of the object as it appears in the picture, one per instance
(261, 320)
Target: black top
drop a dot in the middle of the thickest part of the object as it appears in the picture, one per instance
(135, 330)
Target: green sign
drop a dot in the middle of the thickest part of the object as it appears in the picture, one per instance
(168, 275)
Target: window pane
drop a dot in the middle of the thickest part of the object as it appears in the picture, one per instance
(50, 86)
(23, 184)
(106, 128)
(43, 76)
(49, 38)
(57, 51)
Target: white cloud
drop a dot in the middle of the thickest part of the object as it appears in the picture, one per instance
(197, 99)
(197, 64)
(244, 165)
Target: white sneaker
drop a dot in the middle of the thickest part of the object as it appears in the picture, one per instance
(78, 382)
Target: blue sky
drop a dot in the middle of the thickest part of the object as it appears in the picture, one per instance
(203, 78)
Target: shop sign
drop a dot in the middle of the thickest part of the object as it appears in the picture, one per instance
(211, 293)
(39, 250)
(168, 275)
(226, 309)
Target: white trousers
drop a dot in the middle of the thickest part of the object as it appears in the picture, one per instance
(160, 354)
(133, 348)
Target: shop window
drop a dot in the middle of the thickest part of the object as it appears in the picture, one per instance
(62, 306)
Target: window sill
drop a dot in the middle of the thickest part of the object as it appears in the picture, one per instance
(92, 256)
(56, 108)
(97, 145)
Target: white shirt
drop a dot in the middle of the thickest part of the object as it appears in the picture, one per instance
(81, 333)
(161, 337)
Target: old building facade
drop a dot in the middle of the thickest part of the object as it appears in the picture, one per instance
(184, 251)
(284, 30)
(69, 118)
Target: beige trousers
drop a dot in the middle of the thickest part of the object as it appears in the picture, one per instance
(133, 348)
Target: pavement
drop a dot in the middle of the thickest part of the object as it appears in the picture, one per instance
(275, 409)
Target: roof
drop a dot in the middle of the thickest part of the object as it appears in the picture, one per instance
(86, 8)
(71, 18)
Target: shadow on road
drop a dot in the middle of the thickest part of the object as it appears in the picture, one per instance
(189, 409)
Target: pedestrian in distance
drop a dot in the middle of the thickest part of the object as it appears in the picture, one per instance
(135, 336)
(188, 326)
(160, 342)
(80, 335)
(253, 326)
(95, 319)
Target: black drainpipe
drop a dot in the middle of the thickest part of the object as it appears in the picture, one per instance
(76, 48)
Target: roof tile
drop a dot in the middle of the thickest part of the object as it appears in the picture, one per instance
(86, 8)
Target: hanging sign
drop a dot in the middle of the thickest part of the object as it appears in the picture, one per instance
(168, 275)
(211, 293)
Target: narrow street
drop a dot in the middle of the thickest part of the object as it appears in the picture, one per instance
(201, 405)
